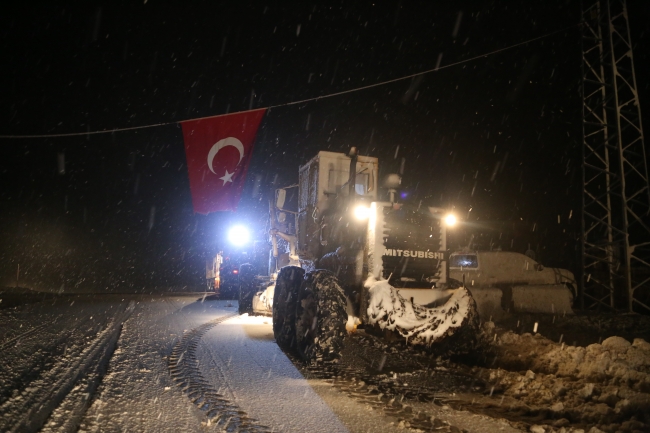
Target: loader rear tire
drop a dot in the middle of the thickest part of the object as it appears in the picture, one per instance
(320, 317)
(285, 299)
(247, 288)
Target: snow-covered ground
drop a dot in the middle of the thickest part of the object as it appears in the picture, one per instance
(138, 393)
(241, 358)
(134, 391)
(113, 363)
(48, 348)
(605, 386)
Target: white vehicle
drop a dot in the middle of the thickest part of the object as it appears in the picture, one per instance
(504, 280)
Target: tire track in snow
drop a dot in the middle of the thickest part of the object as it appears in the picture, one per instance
(40, 403)
(23, 335)
(35, 357)
(184, 369)
(387, 397)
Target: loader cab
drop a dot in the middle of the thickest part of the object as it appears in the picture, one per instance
(327, 175)
(324, 191)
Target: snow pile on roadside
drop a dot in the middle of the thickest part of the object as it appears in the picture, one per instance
(614, 362)
(603, 385)
(417, 323)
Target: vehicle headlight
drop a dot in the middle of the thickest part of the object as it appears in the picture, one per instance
(238, 236)
(361, 212)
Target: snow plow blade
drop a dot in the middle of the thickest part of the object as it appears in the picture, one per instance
(544, 298)
(450, 327)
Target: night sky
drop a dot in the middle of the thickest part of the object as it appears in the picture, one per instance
(497, 138)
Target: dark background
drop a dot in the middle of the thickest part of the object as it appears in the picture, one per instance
(497, 138)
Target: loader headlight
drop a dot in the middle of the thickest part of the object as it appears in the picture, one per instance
(361, 212)
(450, 220)
(238, 236)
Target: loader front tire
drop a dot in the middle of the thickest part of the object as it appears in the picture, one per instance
(285, 298)
(320, 317)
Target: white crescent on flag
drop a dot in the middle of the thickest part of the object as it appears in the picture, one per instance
(229, 141)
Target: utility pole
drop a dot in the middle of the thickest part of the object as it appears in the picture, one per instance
(616, 188)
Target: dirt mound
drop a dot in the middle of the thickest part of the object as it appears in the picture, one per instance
(605, 385)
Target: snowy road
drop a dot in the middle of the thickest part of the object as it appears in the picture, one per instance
(241, 356)
(116, 363)
(102, 363)
(53, 356)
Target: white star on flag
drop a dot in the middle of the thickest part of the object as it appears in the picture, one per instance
(227, 177)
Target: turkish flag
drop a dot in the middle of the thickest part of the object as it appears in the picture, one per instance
(218, 151)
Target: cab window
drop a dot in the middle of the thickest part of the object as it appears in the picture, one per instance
(339, 178)
(469, 261)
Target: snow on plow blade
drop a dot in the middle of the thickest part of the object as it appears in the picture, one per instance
(543, 298)
(451, 326)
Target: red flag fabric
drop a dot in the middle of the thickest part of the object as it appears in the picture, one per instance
(218, 151)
